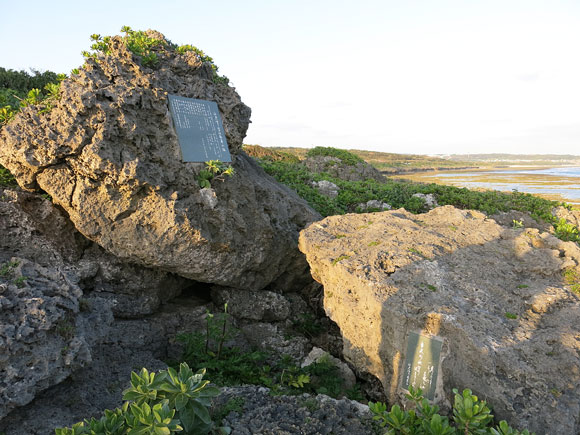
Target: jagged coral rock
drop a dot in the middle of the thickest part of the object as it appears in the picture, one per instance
(496, 295)
(108, 154)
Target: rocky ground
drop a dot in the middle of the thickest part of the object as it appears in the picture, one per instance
(497, 296)
(110, 248)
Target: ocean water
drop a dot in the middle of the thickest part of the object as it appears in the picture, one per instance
(562, 184)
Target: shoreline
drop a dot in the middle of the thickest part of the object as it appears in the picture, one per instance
(495, 178)
(474, 169)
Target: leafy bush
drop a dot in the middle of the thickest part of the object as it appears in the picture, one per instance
(169, 402)
(572, 278)
(232, 366)
(470, 416)
(145, 47)
(138, 42)
(214, 170)
(6, 178)
(346, 157)
(19, 89)
(400, 194)
(566, 231)
(21, 82)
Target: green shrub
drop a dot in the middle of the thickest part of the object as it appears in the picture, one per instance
(214, 170)
(572, 279)
(6, 178)
(566, 231)
(164, 403)
(346, 157)
(145, 47)
(233, 366)
(400, 194)
(470, 416)
(20, 82)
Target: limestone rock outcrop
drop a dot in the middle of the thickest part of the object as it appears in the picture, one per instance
(337, 168)
(34, 229)
(58, 295)
(571, 216)
(108, 154)
(46, 332)
(502, 300)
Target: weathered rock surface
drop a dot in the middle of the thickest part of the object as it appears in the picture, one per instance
(326, 187)
(461, 276)
(129, 345)
(265, 414)
(430, 200)
(374, 205)
(45, 334)
(571, 216)
(34, 229)
(58, 295)
(108, 154)
(337, 168)
(252, 305)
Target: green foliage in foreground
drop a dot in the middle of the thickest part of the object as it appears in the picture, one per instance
(566, 231)
(6, 178)
(214, 170)
(346, 157)
(400, 194)
(145, 48)
(228, 365)
(164, 403)
(19, 89)
(470, 416)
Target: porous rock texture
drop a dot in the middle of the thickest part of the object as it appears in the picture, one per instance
(571, 216)
(108, 154)
(44, 336)
(34, 229)
(128, 345)
(265, 414)
(461, 276)
(58, 295)
(360, 171)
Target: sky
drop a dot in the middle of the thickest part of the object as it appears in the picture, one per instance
(404, 76)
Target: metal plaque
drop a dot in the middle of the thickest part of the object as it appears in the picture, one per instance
(199, 129)
(422, 363)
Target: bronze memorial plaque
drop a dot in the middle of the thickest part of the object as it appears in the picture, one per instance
(421, 366)
(199, 129)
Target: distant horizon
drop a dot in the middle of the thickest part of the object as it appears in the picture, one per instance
(434, 154)
(420, 77)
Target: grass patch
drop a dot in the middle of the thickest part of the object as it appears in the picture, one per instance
(572, 279)
(233, 366)
(344, 156)
(399, 193)
(6, 178)
(339, 259)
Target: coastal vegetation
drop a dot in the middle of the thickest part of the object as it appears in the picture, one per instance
(389, 162)
(398, 193)
(178, 399)
(470, 416)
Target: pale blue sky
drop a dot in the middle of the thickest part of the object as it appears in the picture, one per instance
(428, 77)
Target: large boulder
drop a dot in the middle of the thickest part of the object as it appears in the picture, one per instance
(34, 229)
(108, 154)
(59, 294)
(129, 345)
(46, 330)
(501, 299)
(359, 171)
